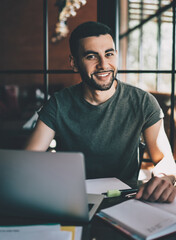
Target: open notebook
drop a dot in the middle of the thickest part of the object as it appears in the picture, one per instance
(44, 185)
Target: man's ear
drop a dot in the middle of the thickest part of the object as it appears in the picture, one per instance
(73, 63)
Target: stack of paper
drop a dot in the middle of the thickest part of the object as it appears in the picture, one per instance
(44, 232)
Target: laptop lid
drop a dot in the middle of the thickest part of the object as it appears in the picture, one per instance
(44, 185)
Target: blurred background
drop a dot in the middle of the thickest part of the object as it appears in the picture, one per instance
(34, 55)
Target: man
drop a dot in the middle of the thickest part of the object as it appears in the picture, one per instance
(104, 118)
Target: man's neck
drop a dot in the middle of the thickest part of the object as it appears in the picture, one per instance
(96, 97)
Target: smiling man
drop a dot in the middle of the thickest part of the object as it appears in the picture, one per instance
(104, 118)
(97, 68)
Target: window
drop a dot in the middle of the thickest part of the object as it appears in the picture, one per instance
(147, 52)
(26, 48)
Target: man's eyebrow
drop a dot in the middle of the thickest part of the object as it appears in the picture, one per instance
(110, 50)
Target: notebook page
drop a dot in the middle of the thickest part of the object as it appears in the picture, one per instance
(169, 207)
(140, 218)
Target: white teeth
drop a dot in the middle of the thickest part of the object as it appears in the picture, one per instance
(103, 75)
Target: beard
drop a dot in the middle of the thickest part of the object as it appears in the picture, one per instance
(92, 83)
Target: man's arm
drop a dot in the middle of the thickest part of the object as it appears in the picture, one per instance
(161, 186)
(40, 138)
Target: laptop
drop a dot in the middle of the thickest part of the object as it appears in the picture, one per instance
(45, 186)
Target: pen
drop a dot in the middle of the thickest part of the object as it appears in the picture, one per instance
(122, 192)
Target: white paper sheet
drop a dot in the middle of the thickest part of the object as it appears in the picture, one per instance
(44, 232)
(54, 235)
(101, 185)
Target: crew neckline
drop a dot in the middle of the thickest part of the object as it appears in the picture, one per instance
(101, 104)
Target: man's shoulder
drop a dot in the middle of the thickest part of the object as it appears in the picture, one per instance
(135, 94)
(127, 86)
(132, 90)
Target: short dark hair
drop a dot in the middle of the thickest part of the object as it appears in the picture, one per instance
(87, 29)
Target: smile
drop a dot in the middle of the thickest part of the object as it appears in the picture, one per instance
(102, 74)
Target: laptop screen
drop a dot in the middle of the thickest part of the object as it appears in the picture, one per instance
(43, 185)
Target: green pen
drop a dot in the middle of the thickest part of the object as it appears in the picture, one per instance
(123, 192)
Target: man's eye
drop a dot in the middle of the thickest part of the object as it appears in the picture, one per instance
(109, 54)
(89, 57)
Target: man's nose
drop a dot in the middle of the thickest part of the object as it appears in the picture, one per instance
(102, 63)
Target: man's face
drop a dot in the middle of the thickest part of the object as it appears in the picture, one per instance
(97, 61)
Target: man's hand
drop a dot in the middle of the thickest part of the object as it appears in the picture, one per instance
(159, 189)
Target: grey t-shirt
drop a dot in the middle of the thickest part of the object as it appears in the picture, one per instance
(107, 134)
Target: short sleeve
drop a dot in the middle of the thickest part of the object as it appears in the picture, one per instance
(47, 114)
(152, 111)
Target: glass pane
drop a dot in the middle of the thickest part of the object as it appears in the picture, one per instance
(59, 51)
(148, 81)
(21, 38)
(149, 45)
(166, 46)
(131, 78)
(20, 97)
(59, 81)
(164, 83)
(145, 81)
(133, 52)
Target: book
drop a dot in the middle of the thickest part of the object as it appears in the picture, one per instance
(140, 220)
